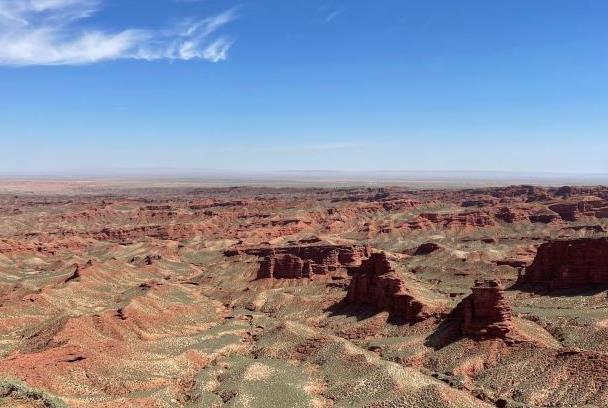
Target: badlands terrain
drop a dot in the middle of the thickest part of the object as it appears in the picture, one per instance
(304, 297)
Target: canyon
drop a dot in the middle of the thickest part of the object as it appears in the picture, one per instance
(325, 296)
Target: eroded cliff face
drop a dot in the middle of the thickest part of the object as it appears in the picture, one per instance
(567, 264)
(143, 274)
(573, 210)
(305, 261)
(511, 215)
(485, 313)
(285, 266)
(376, 283)
(464, 220)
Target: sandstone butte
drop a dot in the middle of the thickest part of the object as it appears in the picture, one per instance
(564, 264)
(485, 313)
(304, 261)
(376, 283)
(583, 207)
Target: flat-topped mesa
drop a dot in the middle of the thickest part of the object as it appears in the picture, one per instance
(485, 313)
(285, 266)
(573, 210)
(564, 264)
(305, 261)
(469, 219)
(376, 283)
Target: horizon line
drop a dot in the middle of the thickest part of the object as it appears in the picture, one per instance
(161, 170)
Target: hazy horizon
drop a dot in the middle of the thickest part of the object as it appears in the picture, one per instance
(157, 178)
(171, 171)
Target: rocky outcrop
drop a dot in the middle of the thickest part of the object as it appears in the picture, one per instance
(376, 283)
(564, 192)
(125, 235)
(284, 266)
(43, 244)
(544, 217)
(398, 205)
(585, 207)
(567, 211)
(485, 313)
(530, 193)
(519, 257)
(511, 215)
(157, 208)
(570, 191)
(455, 221)
(480, 202)
(566, 264)
(304, 261)
(377, 264)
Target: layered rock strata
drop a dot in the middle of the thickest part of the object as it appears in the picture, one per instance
(305, 261)
(485, 313)
(376, 283)
(566, 264)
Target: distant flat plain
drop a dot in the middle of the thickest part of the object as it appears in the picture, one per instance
(104, 182)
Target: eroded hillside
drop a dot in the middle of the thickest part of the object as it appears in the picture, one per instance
(262, 297)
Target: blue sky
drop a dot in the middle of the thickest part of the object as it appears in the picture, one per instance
(514, 85)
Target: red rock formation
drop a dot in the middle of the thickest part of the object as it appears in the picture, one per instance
(157, 208)
(42, 244)
(168, 232)
(480, 202)
(519, 257)
(376, 283)
(569, 264)
(526, 191)
(401, 204)
(544, 217)
(354, 212)
(567, 211)
(514, 263)
(454, 221)
(485, 313)
(301, 261)
(569, 191)
(511, 215)
(564, 192)
(284, 266)
(373, 229)
(585, 207)
(377, 264)
(418, 223)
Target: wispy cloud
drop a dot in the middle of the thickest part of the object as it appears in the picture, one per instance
(330, 13)
(52, 32)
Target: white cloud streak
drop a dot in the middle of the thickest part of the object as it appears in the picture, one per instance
(52, 32)
(333, 15)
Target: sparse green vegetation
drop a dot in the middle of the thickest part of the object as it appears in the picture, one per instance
(12, 391)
